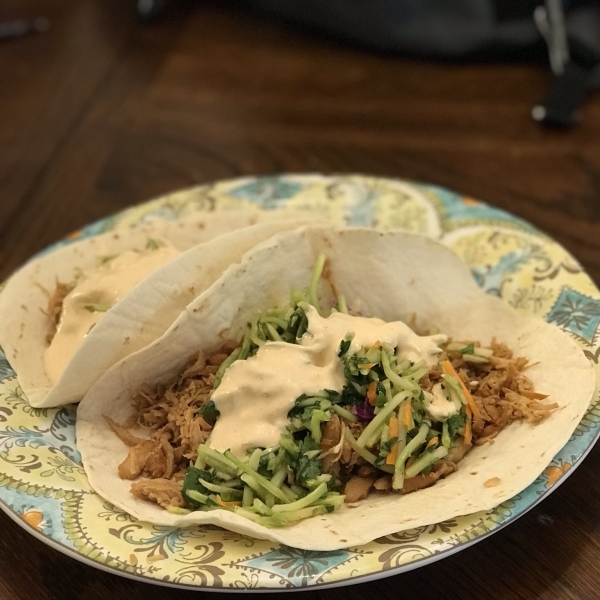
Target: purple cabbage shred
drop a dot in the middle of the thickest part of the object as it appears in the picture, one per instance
(364, 412)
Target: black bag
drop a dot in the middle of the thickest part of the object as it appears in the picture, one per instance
(467, 30)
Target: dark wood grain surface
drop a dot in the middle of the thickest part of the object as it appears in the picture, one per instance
(100, 112)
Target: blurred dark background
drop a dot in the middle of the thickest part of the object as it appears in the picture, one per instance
(103, 110)
(106, 108)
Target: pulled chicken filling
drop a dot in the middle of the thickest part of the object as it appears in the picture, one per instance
(168, 426)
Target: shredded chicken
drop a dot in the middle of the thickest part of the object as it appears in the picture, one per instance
(332, 444)
(500, 390)
(422, 480)
(457, 453)
(358, 488)
(176, 430)
(166, 492)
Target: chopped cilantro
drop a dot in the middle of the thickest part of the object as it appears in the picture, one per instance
(380, 398)
(307, 466)
(455, 423)
(192, 481)
(344, 347)
(209, 412)
(297, 326)
(387, 446)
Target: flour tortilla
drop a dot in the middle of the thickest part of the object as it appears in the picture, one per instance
(395, 276)
(141, 316)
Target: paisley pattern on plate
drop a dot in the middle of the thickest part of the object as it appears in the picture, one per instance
(43, 484)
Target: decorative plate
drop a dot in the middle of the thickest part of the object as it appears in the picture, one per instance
(43, 485)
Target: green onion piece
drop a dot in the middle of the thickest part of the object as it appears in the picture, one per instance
(381, 417)
(248, 497)
(316, 418)
(216, 460)
(313, 483)
(425, 461)
(404, 366)
(288, 492)
(416, 376)
(342, 304)
(333, 499)
(273, 333)
(288, 445)
(303, 513)
(446, 441)
(221, 489)
(454, 389)
(252, 516)
(231, 483)
(319, 491)
(487, 352)
(345, 414)
(308, 401)
(314, 280)
(255, 333)
(263, 481)
(255, 457)
(261, 508)
(457, 346)
(373, 355)
(245, 347)
(176, 510)
(297, 489)
(388, 389)
(368, 456)
(197, 496)
(400, 382)
(375, 437)
(254, 486)
(296, 297)
(401, 443)
(279, 476)
(275, 321)
(225, 365)
(473, 358)
(418, 440)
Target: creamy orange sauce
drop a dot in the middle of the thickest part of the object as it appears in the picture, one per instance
(92, 296)
(255, 395)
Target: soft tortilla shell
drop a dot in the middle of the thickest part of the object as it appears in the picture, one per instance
(139, 318)
(395, 276)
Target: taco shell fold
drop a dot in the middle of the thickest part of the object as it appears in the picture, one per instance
(389, 275)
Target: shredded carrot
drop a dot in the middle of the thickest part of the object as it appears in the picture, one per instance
(407, 414)
(366, 366)
(467, 435)
(376, 345)
(226, 504)
(371, 393)
(390, 459)
(450, 370)
(432, 442)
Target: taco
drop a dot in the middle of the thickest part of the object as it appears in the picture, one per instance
(271, 417)
(78, 310)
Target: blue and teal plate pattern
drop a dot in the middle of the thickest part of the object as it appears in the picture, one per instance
(43, 485)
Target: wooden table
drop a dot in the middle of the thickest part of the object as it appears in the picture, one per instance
(100, 113)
